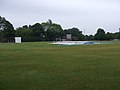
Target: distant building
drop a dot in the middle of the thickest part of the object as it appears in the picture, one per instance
(69, 37)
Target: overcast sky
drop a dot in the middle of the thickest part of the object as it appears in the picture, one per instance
(83, 14)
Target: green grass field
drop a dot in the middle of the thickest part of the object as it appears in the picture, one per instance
(43, 66)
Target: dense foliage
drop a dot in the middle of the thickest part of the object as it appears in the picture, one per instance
(48, 31)
(7, 31)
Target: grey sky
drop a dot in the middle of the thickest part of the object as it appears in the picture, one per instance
(83, 14)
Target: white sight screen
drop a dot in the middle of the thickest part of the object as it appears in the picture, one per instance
(17, 39)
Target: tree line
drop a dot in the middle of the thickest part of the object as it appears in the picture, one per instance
(48, 31)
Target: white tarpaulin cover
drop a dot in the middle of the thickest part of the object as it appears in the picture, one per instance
(74, 42)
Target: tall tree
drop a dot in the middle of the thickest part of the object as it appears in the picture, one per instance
(7, 31)
(38, 31)
(52, 30)
(100, 35)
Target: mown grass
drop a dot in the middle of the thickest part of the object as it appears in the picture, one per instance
(43, 66)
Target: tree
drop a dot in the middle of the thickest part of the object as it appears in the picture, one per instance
(38, 31)
(75, 32)
(31, 33)
(51, 34)
(52, 30)
(89, 37)
(25, 33)
(109, 36)
(118, 34)
(100, 35)
(7, 31)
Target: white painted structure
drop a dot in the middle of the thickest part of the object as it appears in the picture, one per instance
(17, 39)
